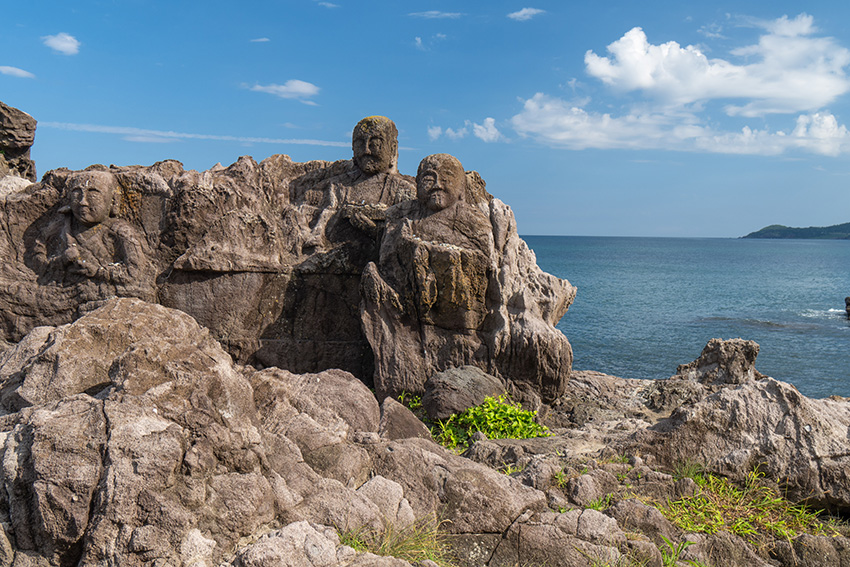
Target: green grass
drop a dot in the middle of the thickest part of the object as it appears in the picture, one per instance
(497, 418)
(420, 541)
(753, 511)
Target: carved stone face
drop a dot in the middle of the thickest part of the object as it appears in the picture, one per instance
(91, 196)
(440, 182)
(375, 144)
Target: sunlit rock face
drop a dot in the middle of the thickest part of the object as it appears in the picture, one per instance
(271, 258)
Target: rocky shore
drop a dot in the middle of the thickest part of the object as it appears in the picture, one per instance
(205, 368)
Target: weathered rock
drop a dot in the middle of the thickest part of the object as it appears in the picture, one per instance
(447, 293)
(763, 424)
(398, 422)
(723, 362)
(457, 389)
(286, 243)
(470, 497)
(17, 134)
(574, 539)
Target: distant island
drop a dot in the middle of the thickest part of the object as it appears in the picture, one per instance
(836, 232)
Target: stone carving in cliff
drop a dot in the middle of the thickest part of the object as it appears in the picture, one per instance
(17, 134)
(269, 256)
(87, 241)
(446, 292)
(291, 254)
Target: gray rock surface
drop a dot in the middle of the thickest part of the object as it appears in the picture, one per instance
(269, 257)
(17, 135)
(457, 389)
(455, 286)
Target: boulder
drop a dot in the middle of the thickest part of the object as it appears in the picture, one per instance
(457, 389)
(723, 362)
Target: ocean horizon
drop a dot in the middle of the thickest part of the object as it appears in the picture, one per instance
(647, 304)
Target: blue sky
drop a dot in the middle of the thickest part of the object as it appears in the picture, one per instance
(708, 119)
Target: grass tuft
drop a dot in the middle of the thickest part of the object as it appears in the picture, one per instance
(754, 511)
(420, 541)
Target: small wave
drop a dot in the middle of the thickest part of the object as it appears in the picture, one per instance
(823, 313)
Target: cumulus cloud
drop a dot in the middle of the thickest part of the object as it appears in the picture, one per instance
(790, 71)
(292, 89)
(557, 123)
(63, 43)
(487, 131)
(417, 42)
(525, 14)
(436, 14)
(160, 136)
(15, 72)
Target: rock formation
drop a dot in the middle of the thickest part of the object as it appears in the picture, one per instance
(270, 256)
(17, 134)
(130, 436)
(446, 292)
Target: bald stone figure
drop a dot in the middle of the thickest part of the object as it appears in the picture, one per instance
(87, 241)
(429, 289)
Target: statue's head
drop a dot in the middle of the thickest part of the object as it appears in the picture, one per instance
(92, 194)
(440, 182)
(375, 144)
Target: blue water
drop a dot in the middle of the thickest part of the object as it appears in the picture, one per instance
(646, 305)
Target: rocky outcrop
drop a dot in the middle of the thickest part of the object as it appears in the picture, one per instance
(179, 454)
(456, 286)
(17, 134)
(270, 257)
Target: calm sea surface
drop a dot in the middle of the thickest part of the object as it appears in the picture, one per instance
(646, 305)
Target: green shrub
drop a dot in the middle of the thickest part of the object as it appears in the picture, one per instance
(497, 418)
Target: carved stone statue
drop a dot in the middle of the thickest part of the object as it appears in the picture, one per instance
(436, 299)
(88, 241)
(359, 195)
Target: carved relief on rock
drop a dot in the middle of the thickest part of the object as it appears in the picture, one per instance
(87, 240)
(434, 300)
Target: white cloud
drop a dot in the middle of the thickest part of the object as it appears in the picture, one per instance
(15, 72)
(487, 131)
(790, 72)
(557, 123)
(144, 135)
(260, 40)
(328, 5)
(712, 31)
(63, 43)
(436, 14)
(292, 89)
(417, 41)
(525, 14)
(456, 134)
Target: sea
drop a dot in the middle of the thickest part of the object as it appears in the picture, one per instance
(646, 305)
